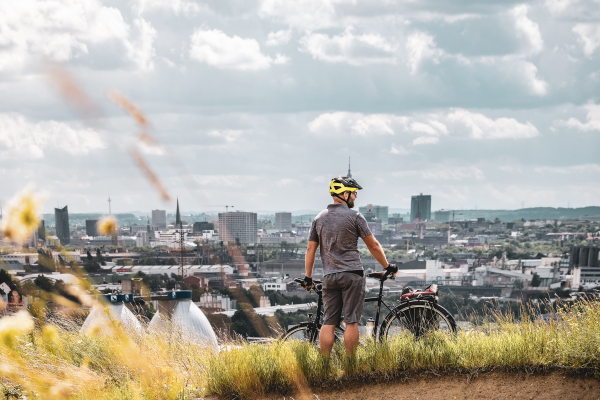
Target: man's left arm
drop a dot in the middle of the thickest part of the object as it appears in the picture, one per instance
(376, 250)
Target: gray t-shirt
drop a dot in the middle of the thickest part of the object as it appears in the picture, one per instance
(337, 230)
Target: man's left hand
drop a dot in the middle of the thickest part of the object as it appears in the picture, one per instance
(393, 269)
(307, 283)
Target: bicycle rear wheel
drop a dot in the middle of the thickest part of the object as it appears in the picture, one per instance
(417, 318)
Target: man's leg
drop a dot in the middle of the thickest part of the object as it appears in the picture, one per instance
(350, 338)
(326, 339)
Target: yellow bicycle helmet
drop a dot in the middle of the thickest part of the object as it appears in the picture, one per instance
(343, 184)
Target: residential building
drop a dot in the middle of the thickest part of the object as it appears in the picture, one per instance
(420, 204)
(61, 216)
(91, 227)
(238, 227)
(283, 221)
(379, 212)
(159, 219)
(202, 226)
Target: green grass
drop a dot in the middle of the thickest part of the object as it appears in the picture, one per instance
(63, 363)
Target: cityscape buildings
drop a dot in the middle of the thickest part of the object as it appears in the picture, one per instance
(201, 226)
(380, 212)
(283, 221)
(61, 216)
(238, 226)
(159, 219)
(422, 204)
(442, 216)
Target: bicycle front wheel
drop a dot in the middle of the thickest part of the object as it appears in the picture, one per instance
(417, 318)
(309, 333)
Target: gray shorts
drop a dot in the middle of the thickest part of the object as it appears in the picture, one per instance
(343, 289)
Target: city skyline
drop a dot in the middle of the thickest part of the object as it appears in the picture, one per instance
(492, 104)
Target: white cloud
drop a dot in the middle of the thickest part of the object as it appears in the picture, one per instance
(356, 123)
(573, 169)
(21, 139)
(177, 6)
(426, 140)
(527, 29)
(141, 51)
(593, 119)
(279, 38)
(225, 180)
(589, 36)
(303, 14)
(349, 48)
(62, 30)
(445, 173)
(215, 48)
(230, 135)
(478, 126)
(421, 46)
(455, 122)
(399, 150)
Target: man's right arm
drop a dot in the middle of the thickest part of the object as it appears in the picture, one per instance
(309, 262)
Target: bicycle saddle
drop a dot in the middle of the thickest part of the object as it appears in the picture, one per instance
(377, 275)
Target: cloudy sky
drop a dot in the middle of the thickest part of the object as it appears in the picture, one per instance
(258, 103)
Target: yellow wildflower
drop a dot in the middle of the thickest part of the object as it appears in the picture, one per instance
(21, 217)
(107, 226)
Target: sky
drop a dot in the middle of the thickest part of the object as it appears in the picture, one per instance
(259, 103)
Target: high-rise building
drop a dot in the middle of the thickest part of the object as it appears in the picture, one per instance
(61, 217)
(422, 205)
(159, 219)
(283, 221)
(91, 227)
(203, 226)
(380, 212)
(42, 230)
(238, 227)
(442, 216)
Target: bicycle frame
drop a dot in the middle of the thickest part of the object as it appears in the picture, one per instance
(379, 300)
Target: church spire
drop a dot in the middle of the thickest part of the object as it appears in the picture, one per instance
(178, 217)
(349, 173)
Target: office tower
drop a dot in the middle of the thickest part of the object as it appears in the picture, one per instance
(42, 230)
(203, 226)
(61, 216)
(283, 221)
(159, 219)
(238, 227)
(380, 212)
(91, 227)
(422, 204)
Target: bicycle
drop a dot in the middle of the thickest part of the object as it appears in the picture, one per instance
(418, 313)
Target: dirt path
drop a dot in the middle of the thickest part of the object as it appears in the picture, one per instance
(495, 385)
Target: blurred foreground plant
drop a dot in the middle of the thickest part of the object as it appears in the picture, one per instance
(21, 217)
(59, 361)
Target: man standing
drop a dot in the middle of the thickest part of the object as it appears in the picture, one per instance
(336, 230)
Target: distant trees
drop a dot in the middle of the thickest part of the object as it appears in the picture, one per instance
(536, 281)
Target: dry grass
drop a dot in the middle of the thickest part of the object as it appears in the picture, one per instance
(57, 361)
